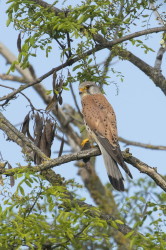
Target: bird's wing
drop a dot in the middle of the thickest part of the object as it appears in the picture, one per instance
(100, 117)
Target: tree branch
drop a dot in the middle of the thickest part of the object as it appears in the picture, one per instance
(154, 74)
(49, 6)
(10, 57)
(54, 70)
(141, 166)
(107, 44)
(103, 44)
(123, 228)
(142, 145)
(144, 168)
(159, 58)
(157, 14)
(13, 78)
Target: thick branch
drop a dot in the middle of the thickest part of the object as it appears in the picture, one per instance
(141, 166)
(154, 74)
(144, 168)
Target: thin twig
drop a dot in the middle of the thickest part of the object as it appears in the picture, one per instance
(35, 201)
(7, 87)
(157, 14)
(69, 44)
(62, 47)
(142, 145)
(1, 85)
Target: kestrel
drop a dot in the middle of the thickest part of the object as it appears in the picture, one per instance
(100, 121)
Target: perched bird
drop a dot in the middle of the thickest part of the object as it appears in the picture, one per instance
(100, 122)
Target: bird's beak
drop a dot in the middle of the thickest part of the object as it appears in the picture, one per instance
(81, 90)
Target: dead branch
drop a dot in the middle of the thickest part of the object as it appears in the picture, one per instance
(13, 78)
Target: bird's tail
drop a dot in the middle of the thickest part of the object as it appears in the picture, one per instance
(113, 171)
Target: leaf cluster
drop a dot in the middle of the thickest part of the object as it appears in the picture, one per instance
(42, 215)
(41, 26)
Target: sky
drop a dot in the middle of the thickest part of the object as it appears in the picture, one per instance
(139, 105)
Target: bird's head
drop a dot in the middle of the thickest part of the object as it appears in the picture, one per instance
(88, 88)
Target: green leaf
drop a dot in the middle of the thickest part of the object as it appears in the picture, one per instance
(77, 67)
(82, 19)
(48, 92)
(119, 222)
(28, 183)
(19, 57)
(69, 234)
(65, 88)
(21, 190)
(8, 22)
(25, 47)
(113, 224)
(129, 234)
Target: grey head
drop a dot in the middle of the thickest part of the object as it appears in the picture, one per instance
(88, 88)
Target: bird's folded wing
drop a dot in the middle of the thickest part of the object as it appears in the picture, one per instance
(114, 152)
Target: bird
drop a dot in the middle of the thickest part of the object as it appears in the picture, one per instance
(100, 122)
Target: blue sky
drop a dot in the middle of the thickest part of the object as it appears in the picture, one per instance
(139, 104)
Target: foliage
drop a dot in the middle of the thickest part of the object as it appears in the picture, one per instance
(38, 215)
(46, 215)
(82, 22)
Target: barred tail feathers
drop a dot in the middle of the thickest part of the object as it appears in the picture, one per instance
(113, 171)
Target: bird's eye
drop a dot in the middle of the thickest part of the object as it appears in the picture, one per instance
(88, 86)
